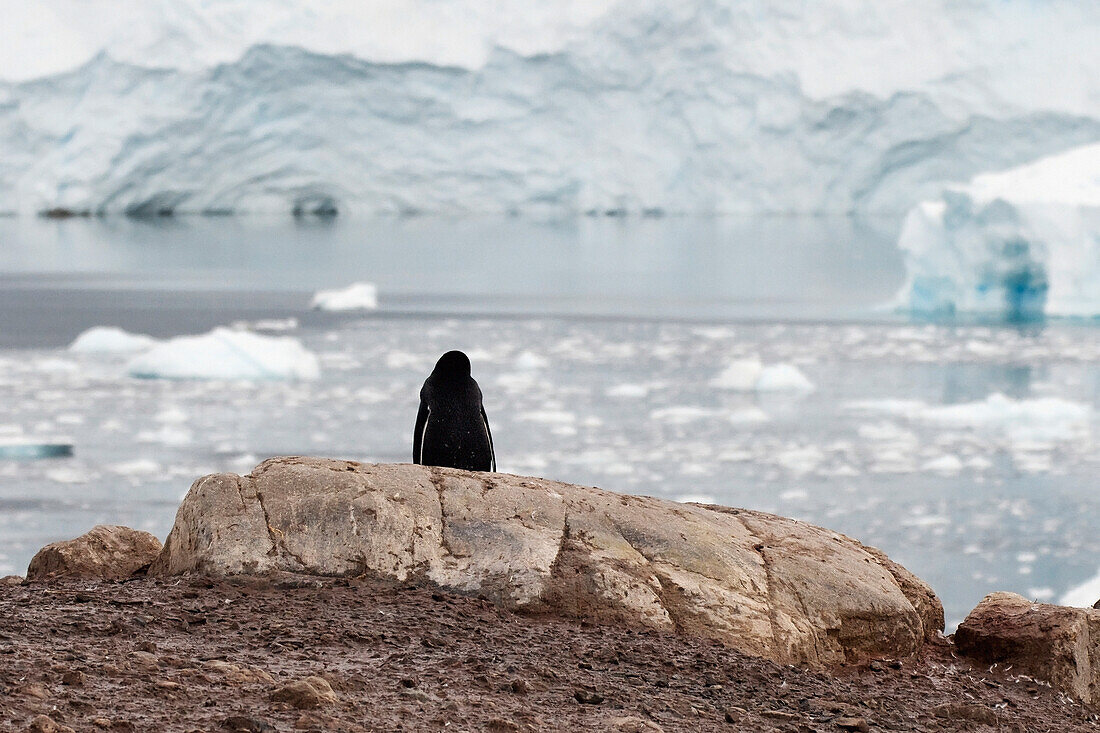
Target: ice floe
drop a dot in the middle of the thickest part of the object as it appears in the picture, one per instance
(747, 375)
(111, 339)
(227, 354)
(358, 296)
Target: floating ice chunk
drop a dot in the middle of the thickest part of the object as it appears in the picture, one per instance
(530, 361)
(681, 415)
(740, 375)
(1018, 243)
(227, 354)
(783, 378)
(633, 391)
(29, 449)
(946, 465)
(358, 296)
(1083, 594)
(136, 467)
(748, 416)
(1037, 420)
(746, 375)
(109, 339)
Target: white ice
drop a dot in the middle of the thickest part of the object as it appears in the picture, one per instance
(1021, 243)
(403, 105)
(226, 354)
(358, 296)
(746, 375)
(111, 339)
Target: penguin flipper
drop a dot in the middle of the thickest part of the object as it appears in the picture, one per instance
(489, 434)
(418, 432)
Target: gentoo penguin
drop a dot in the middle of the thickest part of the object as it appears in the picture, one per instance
(451, 426)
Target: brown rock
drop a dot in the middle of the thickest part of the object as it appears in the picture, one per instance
(236, 674)
(763, 584)
(1058, 644)
(11, 580)
(46, 724)
(73, 677)
(856, 724)
(965, 711)
(633, 724)
(35, 690)
(304, 694)
(105, 552)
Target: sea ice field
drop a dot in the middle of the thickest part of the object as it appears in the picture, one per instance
(743, 362)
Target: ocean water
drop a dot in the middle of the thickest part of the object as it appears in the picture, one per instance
(603, 346)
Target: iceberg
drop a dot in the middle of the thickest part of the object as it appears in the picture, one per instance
(227, 354)
(705, 106)
(109, 339)
(1021, 244)
(748, 375)
(358, 296)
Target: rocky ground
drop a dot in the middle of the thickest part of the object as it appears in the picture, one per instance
(295, 653)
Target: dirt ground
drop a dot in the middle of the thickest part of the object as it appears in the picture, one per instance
(194, 654)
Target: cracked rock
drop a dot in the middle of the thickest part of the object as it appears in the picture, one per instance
(766, 585)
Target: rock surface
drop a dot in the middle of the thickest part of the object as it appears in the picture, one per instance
(1059, 644)
(106, 551)
(766, 585)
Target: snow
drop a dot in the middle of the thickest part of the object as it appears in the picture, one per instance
(1021, 243)
(227, 354)
(455, 106)
(358, 296)
(746, 375)
(110, 339)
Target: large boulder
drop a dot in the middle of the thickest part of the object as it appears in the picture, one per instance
(766, 585)
(1059, 644)
(105, 552)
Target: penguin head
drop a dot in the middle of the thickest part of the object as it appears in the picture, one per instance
(452, 365)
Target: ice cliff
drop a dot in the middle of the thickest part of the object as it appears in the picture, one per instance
(451, 106)
(1021, 243)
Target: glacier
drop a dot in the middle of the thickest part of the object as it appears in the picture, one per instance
(407, 106)
(1022, 244)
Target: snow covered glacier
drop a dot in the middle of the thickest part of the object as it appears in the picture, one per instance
(1022, 243)
(154, 106)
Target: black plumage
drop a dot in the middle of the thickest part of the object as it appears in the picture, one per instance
(451, 427)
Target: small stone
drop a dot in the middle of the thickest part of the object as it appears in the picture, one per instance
(304, 694)
(236, 674)
(501, 725)
(876, 666)
(167, 684)
(780, 715)
(46, 724)
(634, 724)
(101, 722)
(588, 697)
(735, 714)
(247, 724)
(35, 690)
(519, 687)
(965, 711)
(418, 695)
(73, 677)
(144, 660)
(856, 724)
